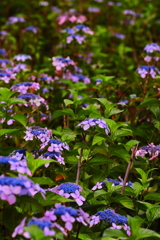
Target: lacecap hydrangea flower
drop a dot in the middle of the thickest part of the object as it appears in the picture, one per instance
(69, 190)
(60, 63)
(152, 47)
(110, 216)
(148, 70)
(92, 122)
(23, 87)
(114, 182)
(21, 185)
(22, 57)
(33, 100)
(151, 150)
(16, 165)
(49, 223)
(55, 148)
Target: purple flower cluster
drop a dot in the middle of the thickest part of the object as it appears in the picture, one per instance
(33, 100)
(92, 122)
(55, 148)
(149, 58)
(12, 20)
(69, 189)
(49, 222)
(114, 182)
(152, 47)
(36, 132)
(151, 150)
(21, 185)
(16, 165)
(80, 39)
(22, 57)
(23, 87)
(148, 70)
(61, 63)
(78, 18)
(31, 29)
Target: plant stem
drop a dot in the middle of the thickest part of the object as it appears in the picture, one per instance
(79, 166)
(134, 149)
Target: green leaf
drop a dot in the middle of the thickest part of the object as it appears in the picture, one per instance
(135, 224)
(35, 232)
(42, 180)
(7, 131)
(5, 94)
(59, 113)
(153, 213)
(114, 233)
(99, 159)
(145, 233)
(79, 145)
(34, 164)
(152, 196)
(114, 111)
(148, 102)
(122, 153)
(97, 139)
(143, 174)
(68, 102)
(130, 144)
(124, 200)
(122, 132)
(20, 118)
(138, 188)
(12, 101)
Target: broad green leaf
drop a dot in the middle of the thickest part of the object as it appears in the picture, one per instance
(20, 118)
(68, 102)
(5, 94)
(135, 223)
(138, 188)
(59, 113)
(121, 153)
(122, 132)
(124, 200)
(42, 180)
(114, 233)
(149, 101)
(152, 196)
(99, 159)
(145, 233)
(97, 139)
(7, 131)
(35, 232)
(34, 164)
(143, 174)
(79, 145)
(130, 144)
(114, 111)
(153, 213)
(12, 101)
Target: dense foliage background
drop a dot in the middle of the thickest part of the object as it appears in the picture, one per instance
(79, 119)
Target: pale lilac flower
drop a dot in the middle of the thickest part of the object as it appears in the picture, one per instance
(80, 39)
(22, 57)
(148, 70)
(90, 122)
(98, 186)
(68, 219)
(152, 47)
(127, 229)
(78, 198)
(61, 63)
(12, 20)
(114, 226)
(19, 229)
(94, 220)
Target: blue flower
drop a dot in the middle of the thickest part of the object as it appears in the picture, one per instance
(61, 210)
(110, 216)
(69, 187)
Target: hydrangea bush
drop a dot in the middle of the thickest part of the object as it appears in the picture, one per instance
(79, 120)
